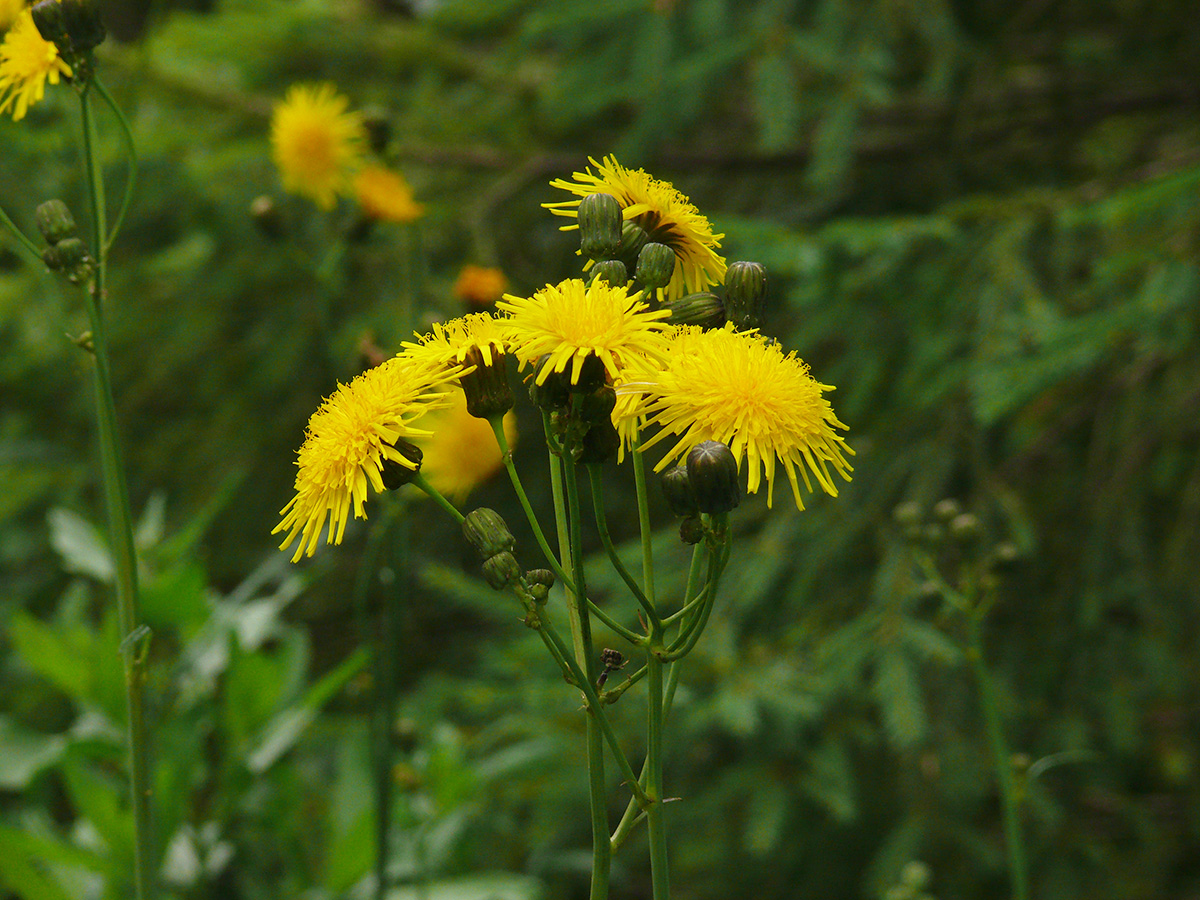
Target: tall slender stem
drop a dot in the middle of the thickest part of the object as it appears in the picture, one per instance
(597, 484)
(120, 527)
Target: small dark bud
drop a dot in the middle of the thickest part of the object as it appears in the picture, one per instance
(488, 391)
(678, 491)
(612, 272)
(612, 659)
(598, 405)
(633, 239)
(691, 530)
(1006, 555)
(54, 221)
(745, 294)
(704, 309)
(84, 28)
(396, 475)
(599, 225)
(908, 513)
(50, 21)
(655, 265)
(267, 217)
(945, 510)
(69, 256)
(592, 375)
(378, 127)
(543, 577)
(600, 443)
(712, 473)
(964, 527)
(501, 570)
(553, 392)
(487, 532)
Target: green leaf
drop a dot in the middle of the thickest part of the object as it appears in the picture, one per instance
(898, 692)
(81, 546)
(25, 753)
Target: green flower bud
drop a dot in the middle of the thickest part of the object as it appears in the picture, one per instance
(54, 221)
(50, 21)
(964, 528)
(655, 265)
(599, 225)
(600, 443)
(678, 491)
(611, 271)
(1006, 555)
(598, 405)
(501, 570)
(554, 391)
(703, 308)
(394, 474)
(487, 388)
(712, 472)
(633, 239)
(691, 530)
(745, 294)
(908, 513)
(592, 375)
(487, 532)
(69, 256)
(83, 25)
(539, 582)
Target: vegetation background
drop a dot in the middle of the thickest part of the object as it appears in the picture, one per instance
(981, 224)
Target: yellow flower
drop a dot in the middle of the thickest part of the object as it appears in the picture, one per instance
(10, 10)
(385, 195)
(461, 453)
(667, 216)
(480, 286)
(349, 441)
(316, 141)
(734, 387)
(571, 321)
(452, 341)
(27, 62)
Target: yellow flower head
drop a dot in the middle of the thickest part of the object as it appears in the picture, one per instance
(385, 195)
(667, 216)
(10, 11)
(316, 141)
(571, 321)
(735, 387)
(349, 440)
(451, 342)
(480, 286)
(461, 453)
(27, 62)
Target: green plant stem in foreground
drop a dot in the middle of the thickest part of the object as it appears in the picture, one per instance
(120, 527)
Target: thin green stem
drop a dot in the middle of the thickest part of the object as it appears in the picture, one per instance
(19, 234)
(1001, 759)
(690, 633)
(643, 502)
(597, 484)
(691, 597)
(660, 879)
(120, 526)
(132, 162)
(418, 481)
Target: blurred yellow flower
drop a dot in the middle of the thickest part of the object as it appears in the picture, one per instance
(316, 142)
(667, 216)
(385, 195)
(461, 453)
(9, 11)
(571, 321)
(27, 62)
(739, 389)
(350, 440)
(479, 286)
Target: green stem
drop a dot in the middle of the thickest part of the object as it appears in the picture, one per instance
(418, 481)
(19, 234)
(656, 827)
(643, 502)
(691, 597)
(597, 484)
(1000, 758)
(131, 152)
(120, 527)
(690, 633)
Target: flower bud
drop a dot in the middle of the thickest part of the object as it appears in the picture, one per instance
(678, 491)
(745, 294)
(396, 475)
(655, 265)
(703, 308)
(599, 225)
(553, 391)
(487, 388)
(713, 475)
(487, 532)
(69, 256)
(598, 405)
(964, 528)
(54, 221)
(81, 19)
(600, 444)
(50, 21)
(501, 570)
(611, 271)
(691, 530)
(539, 582)
(592, 375)
(908, 513)
(633, 239)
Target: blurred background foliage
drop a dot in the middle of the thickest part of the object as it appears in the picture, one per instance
(981, 224)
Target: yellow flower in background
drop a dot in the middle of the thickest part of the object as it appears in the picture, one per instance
(461, 453)
(571, 321)
(451, 342)
(350, 439)
(10, 10)
(385, 195)
(667, 216)
(737, 388)
(317, 142)
(27, 62)
(480, 286)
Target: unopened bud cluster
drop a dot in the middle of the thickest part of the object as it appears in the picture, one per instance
(946, 525)
(66, 253)
(707, 483)
(580, 410)
(488, 533)
(75, 29)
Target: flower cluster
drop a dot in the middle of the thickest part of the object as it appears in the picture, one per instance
(611, 371)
